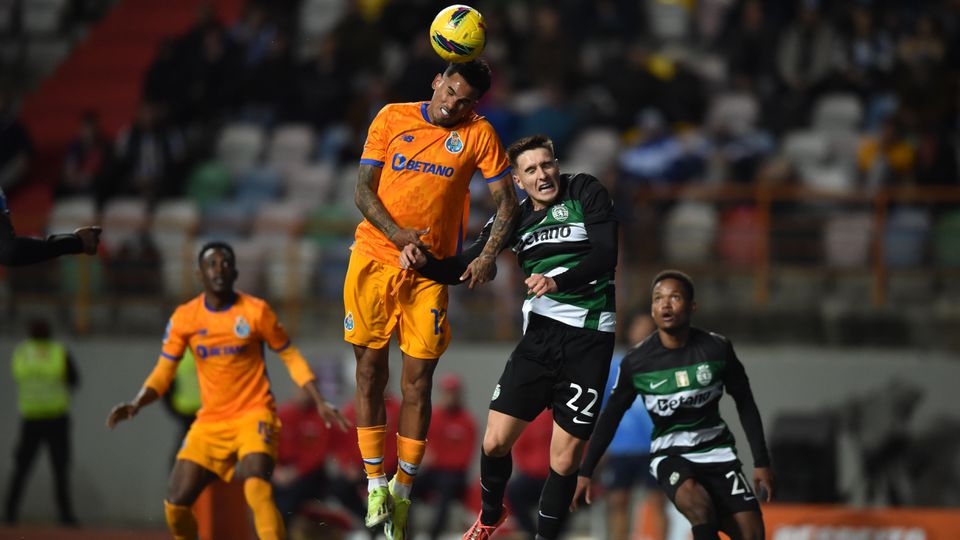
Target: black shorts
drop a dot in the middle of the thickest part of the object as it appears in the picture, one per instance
(624, 471)
(729, 489)
(556, 366)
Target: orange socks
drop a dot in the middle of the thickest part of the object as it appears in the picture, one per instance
(410, 453)
(371, 441)
(266, 518)
(180, 521)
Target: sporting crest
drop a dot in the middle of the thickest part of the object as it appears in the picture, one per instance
(704, 375)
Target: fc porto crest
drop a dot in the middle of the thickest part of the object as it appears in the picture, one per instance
(241, 328)
(348, 322)
(453, 144)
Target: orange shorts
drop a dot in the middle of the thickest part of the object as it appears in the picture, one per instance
(378, 298)
(218, 446)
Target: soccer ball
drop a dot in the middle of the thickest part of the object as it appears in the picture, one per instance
(458, 33)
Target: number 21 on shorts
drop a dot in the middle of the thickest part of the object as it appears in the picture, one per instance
(740, 485)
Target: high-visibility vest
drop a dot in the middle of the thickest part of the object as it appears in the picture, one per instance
(40, 370)
(186, 388)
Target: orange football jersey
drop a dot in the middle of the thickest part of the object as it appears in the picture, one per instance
(228, 347)
(426, 176)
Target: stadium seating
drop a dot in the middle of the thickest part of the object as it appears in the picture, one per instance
(847, 238)
(311, 186)
(946, 240)
(43, 17)
(291, 146)
(733, 112)
(210, 182)
(240, 146)
(175, 223)
(837, 112)
(123, 218)
(905, 238)
(72, 213)
(690, 229)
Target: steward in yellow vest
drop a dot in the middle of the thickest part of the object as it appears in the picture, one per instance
(45, 376)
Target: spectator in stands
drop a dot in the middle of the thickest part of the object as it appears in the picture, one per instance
(750, 58)
(660, 157)
(868, 54)
(271, 85)
(887, 158)
(554, 115)
(167, 81)
(324, 84)
(548, 54)
(150, 155)
(88, 158)
(453, 437)
(936, 156)
(45, 375)
(213, 77)
(253, 34)
(15, 145)
(305, 446)
(806, 55)
(531, 459)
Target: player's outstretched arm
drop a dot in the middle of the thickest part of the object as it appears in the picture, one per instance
(620, 400)
(763, 483)
(376, 213)
(584, 486)
(482, 268)
(155, 386)
(738, 386)
(19, 250)
(126, 411)
(330, 414)
(449, 270)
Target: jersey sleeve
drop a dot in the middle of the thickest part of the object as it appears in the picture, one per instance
(375, 147)
(276, 337)
(272, 332)
(595, 201)
(738, 386)
(176, 336)
(448, 270)
(491, 157)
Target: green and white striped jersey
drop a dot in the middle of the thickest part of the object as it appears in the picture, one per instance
(554, 240)
(681, 389)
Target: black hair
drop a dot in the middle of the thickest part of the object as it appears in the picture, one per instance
(475, 72)
(528, 143)
(216, 244)
(685, 280)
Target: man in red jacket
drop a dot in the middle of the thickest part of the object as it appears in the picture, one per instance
(305, 446)
(453, 438)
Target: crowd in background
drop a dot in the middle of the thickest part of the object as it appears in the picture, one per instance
(848, 96)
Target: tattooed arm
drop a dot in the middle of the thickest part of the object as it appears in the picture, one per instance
(373, 210)
(483, 268)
